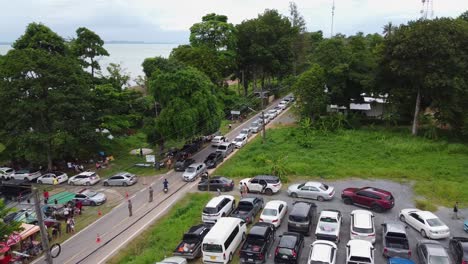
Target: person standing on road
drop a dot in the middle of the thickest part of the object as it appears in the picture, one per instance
(129, 207)
(455, 211)
(46, 196)
(242, 190)
(150, 194)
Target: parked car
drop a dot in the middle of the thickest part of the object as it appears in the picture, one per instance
(121, 179)
(246, 131)
(5, 173)
(302, 217)
(257, 244)
(425, 222)
(190, 246)
(214, 159)
(432, 252)
(273, 113)
(329, 226)
(377, 200)
(400, 261)
(182, 164)
(465, 225)
(359, 252)
(218, 140)
(395, 241)
(85, 178)
(255, 127)
(278, 109)
(274, 212)
(289, 248)
(15, 189)
(282, 105)
(458, 246)
(88, 197)
(362, 225)
(248, 208)
(173, 260)
(313, 190)
(26, 174)
(217, 207)
(322, 252)
(240, 141)
(221, 243)
(256, 184)
(225, 148)
(216, 183)
(194, 171)
(50, 177)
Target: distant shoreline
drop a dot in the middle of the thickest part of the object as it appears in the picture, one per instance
(119, 42)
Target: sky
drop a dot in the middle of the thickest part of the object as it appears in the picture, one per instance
(169, 21)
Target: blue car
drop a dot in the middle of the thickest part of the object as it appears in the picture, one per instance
(465, 227)
(400, 261)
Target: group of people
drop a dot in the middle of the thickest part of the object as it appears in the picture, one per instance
(150, 198)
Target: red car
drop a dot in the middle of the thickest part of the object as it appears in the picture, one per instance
(376, 199)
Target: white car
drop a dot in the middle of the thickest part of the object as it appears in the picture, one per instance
(282, 106)
(173, 260)
(255, 127)
(312, 190)
(84, 178)
(425, 222)
(48, 178)
(218, 140)
(267, 184)
(323, 252)
(5, 173)
(273, 113)
(246, 132)
(329, 225)
(25, 174)
(274, 212)
(359, 252)
(240, 141)
(362, 225)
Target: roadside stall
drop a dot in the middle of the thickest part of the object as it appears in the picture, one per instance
(25, 244)
(5, 253)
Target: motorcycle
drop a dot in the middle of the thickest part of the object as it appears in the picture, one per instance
(165, 190)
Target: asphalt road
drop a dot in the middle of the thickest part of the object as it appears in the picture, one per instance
(116, 229)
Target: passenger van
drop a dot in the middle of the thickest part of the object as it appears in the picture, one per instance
(217, 207)
(220, 244)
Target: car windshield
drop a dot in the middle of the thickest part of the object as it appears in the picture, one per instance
(254, 124)
(238, 139)
(90, 194)
(434, 222)
(211, 156)
(213, 248)
(269, 212)
(323, 187)
(244, 131)
(210, 210)
(438, 260)
(328, 220)
(358, 260)
(363, 230)
(300, 185)
(190, 169)
(285, 251)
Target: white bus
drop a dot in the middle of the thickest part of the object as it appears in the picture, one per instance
(220, 244)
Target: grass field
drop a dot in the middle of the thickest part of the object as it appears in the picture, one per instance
(438, 168)
(163, 236)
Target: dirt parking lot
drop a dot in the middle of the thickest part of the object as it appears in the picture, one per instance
(403, 199)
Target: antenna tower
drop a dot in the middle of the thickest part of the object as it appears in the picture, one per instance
(332, 18)
(427, 9)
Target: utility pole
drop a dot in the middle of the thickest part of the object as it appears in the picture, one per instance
(263, 117)
(44, 234)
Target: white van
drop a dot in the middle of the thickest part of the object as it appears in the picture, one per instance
(217, 207)
(220, 244)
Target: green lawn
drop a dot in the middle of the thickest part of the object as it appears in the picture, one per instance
(439, 168)
(161, 238)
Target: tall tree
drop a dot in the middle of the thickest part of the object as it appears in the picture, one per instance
(388, 29)
(310, 91)
(464, 16)
(88, 46)
(299, 45)
(117, 77)
(213, 32)
(44, 93)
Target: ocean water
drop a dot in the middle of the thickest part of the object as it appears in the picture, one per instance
(129, 56)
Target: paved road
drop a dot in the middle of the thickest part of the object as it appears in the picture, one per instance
(116, 228)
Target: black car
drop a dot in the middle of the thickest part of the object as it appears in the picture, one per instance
(182, 164)
(214, 159)
(302, 217)
(289, 248)
(257, 244)
(190, 246)
(217, 182)
(459, 248)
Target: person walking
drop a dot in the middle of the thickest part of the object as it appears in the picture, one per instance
(130, 208)
(72, 225)
(150, 189)
(169, 163)
(455, 211)
(242, 190)
(46, 196)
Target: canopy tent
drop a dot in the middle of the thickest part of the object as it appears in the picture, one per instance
(28, 230)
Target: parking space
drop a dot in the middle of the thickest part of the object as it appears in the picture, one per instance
(403, 199)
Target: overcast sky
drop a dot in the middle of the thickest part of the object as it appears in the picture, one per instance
(170, 20)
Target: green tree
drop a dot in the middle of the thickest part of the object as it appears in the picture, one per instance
(464, 16)
(388, 29)
(7, 229)
(299, 45)
(425, 62)
(189, 106)
(150, 65)
(213, 32)
(44, 92)
(88, 46)
(312, 100)
(117, 77)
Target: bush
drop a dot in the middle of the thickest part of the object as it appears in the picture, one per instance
(425, 205)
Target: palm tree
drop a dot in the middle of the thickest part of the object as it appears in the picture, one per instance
(388, 29)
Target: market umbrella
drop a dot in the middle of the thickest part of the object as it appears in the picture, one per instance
(3, 247)
(13, 239)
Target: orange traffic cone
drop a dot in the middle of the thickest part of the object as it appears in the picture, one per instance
(99, 212)
(98, 239)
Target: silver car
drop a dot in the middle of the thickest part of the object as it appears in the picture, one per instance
(226, 148)
(430, 251)
(121, 179)
(312, 190)
(255, 127)
(173, 260)
(194, 171)
(88, 197)
(5, 173)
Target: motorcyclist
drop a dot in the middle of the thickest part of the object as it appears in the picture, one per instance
(166, 184)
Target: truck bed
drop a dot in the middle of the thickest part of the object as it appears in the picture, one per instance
(396, 243)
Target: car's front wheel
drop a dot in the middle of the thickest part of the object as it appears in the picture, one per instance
(106, 184)
(40, 182)
(347, 200)
(423, 233)
(402, 218)
(88, 183)
(377, 208)
(294, 195)
(320, 199)
(125, 184)
(268, 192)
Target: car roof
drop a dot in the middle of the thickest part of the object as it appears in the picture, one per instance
(219, 178)
(359, 248)
(400, 261)
(274, 204)
(249, 199)
(225, 144)
(322, 250)
(288, 240)
(395, 227)
(87, 173)
(331, 214)
(218, 137)
(196, 164)
(434, 249)
(266, 177)
(216, 200)
(301, 208)
(377, 191)
(259, 230)
(123, 173)
(197, 229)
(362, 218)
(314, 184)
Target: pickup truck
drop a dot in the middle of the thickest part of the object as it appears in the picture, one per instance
(248, 208)
(395, 241)
(190, 247)
(258, 243)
